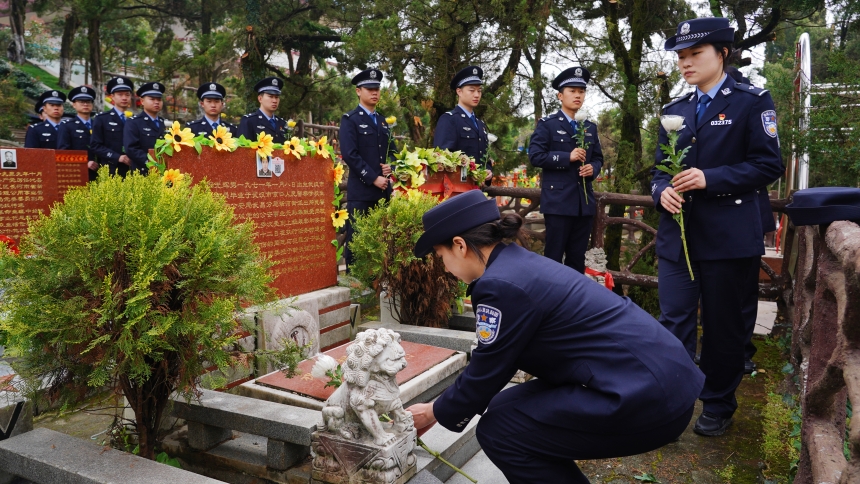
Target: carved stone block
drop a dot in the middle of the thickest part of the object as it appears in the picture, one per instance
(340, 460)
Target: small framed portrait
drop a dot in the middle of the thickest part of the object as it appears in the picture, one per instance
(264, 169)
(8, 159)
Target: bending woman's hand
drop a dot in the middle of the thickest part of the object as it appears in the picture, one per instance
(422, 415)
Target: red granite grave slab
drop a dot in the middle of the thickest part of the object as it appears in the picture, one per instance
(419, 358)
(72, 170)
(26, 190)
(292, 212)
(446, 184)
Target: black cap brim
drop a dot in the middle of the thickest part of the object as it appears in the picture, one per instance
(719, 35)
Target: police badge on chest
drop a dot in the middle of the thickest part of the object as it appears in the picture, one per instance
(722, 121)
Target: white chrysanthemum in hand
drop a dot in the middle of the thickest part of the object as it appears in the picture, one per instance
(492, 138)
(324, 364)
(672, 122)
(580, 116)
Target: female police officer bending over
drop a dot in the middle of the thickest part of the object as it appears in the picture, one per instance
(611, 381)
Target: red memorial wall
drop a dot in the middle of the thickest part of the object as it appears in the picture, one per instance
(72, 170)
(291, 212)
(28, 187)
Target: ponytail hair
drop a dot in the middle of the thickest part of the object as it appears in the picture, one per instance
(509, 227)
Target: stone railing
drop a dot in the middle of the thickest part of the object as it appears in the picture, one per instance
(775, 288)
(826, 349)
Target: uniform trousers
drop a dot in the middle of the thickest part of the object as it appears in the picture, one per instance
(728, 291)
(567, 239)
(750, 314)
(354, 208)
(529, 451)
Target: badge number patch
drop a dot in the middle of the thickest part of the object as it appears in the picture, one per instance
(768, 120)
(487, 325)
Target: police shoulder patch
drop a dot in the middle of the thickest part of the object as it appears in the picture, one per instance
(488, 321)
(768, 121)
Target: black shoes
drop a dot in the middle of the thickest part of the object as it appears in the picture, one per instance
(749, 365)
(711, 425)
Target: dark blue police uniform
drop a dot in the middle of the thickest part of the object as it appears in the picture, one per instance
(735, 145)
(141, 132)
(108, 127)
(44, 134)
(567, 215)
(611, 381)
(74, 133)
(257, 122)
(365, 145)
(457, 129)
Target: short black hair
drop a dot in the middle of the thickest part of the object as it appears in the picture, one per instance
(724, 50)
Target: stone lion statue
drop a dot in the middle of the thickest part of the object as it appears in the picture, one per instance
(370, 389)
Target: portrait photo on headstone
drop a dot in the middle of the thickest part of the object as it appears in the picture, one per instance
(10, 159)
(263, 169)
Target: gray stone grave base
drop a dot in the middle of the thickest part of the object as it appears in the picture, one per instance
(339, 460)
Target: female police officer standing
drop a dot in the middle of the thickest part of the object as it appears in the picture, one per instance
(730, 129)
(610, 380)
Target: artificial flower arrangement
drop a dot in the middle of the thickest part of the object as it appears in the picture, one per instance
(411, 167)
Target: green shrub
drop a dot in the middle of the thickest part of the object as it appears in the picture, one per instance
(132, 285)
(12, 107)
(383, 259)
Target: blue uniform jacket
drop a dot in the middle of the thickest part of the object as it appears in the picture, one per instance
(614, 366)
(456, 132)
(561, 186)
(202, 126)
(363, 148)
(252, 124)
(41, 135)
(74, 135)
(139, 137)
(107, 137)
(737, 147)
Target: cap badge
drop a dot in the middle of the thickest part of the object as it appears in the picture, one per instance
(54, 94)
(475, 71)
(578, 72)
(373, 74)
(685, 29)
(212, 87)
(274, 82)
(119, 81)
(155, 85)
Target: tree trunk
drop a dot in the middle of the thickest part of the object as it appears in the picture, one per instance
(253, 66)
(70, 28)
(16, 50)
(148, 401)
(205, 74)
(94, 37)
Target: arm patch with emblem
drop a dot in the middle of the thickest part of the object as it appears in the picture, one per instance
(488, 321)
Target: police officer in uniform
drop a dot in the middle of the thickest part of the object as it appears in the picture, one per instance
(44, 134)
(730, 129)
(611, 381)
(366, 147)
(74, 133)
(107, 138)
(211, 96)
(568, 171)
(264, 119)
(459, 129)
(142, 131)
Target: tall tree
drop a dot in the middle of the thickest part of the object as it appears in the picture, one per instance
(17, 48)
(70, 28)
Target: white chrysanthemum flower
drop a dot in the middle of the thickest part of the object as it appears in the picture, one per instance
(672, 122)
(324, 364)
(580, 116)
(492, 138)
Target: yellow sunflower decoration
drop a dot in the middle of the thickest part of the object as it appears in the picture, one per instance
(295, 148)
(338, 218)
(223, 139)
(338, 174)
(172, 178)
(177, 137)
(322, 148)
(264, 145)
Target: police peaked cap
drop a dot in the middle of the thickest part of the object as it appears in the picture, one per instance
(453, 217)
(701, 31)
(472, 75)
(211, 90)
(81, 93)
(823, 205)
(152, 89)
(39, 107)
(370, 78)
(52, 97)
(575, 76)
(269, 85)
(120, 83)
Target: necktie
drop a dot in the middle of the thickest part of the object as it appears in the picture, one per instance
(574, 125)
(157, 124)
(214, 126)
(702, 107)
(122, 117)
(89, 125)
(274, 124)
(475, 121)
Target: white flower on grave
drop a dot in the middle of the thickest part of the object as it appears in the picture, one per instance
(580, 116)
(323, 365)
(492, 138)
(672, 122)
